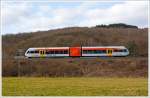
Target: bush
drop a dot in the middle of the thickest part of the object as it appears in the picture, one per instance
(133, 49)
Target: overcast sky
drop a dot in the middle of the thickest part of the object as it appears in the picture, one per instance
(20, 17)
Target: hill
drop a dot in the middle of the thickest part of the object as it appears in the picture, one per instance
(135, 39)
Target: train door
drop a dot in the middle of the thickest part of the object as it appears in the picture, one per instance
(109, 52)
(75, 51)
(42, 53)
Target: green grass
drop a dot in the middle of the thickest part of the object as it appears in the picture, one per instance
(13, 86)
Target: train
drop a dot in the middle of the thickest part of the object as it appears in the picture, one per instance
(92, 51)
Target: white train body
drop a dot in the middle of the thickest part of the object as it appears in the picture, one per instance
(96, 51)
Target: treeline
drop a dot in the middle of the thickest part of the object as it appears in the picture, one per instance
(117, 25)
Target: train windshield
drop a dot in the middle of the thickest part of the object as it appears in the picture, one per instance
(33, 52)
(124, 50)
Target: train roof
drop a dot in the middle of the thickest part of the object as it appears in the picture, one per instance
(104, 47)
(122, 47)
(49, 48)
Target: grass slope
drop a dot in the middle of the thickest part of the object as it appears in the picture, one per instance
(13, 86)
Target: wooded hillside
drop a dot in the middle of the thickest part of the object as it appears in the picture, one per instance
(135, 39)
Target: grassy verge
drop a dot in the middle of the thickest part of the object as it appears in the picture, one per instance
(14, 86)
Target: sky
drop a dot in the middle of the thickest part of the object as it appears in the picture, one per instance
(30, 16)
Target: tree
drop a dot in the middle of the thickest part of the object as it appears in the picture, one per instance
(132, 47)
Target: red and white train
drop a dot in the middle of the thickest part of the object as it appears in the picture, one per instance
(96, 51)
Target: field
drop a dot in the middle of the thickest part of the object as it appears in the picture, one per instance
(40, 86)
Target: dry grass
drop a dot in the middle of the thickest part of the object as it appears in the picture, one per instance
(13, 86)
(86, 67)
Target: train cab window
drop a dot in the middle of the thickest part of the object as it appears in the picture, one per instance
(125, 50)
(30, 51)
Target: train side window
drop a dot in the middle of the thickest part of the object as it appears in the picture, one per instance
(97, 51)
(84, 51)
(61, 52)
(87, 51)
(47, 52)
(121, 51)
(118, 50)
(100, 51)
(31, 51)
(65, 52)
(94, 51)
(115, 50)
(51, 52)
(36, 51)
(103, 51)
(90, 51)
(56, 52)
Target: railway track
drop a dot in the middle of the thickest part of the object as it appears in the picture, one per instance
(78, 58)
